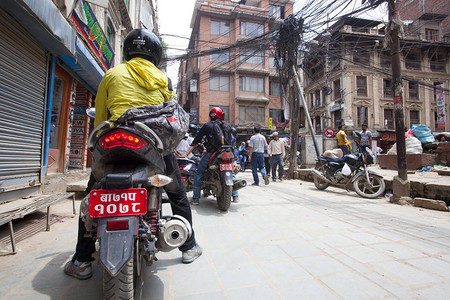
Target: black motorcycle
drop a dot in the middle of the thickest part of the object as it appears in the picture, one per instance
(125, 206)
(217, 179)
(350, 169)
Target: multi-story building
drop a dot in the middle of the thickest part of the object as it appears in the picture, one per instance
(53, 55)
(352, 81)
(242, 79)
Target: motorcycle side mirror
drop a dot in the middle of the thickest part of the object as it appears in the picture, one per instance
(91, 112)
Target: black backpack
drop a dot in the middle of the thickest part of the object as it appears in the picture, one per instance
(220, 135)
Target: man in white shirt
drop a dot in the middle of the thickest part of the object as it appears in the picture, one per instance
(276, 152)
(257, 145)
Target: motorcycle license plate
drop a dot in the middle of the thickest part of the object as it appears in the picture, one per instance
(117, 203)
(226, 167)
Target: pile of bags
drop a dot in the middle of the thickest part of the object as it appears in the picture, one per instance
(414, 138)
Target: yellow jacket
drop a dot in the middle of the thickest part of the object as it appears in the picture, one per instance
(134, 83)
(341, 138)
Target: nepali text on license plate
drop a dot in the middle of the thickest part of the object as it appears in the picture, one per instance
(226, 167)
(117, 203)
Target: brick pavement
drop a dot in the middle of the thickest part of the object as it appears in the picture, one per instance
(282, 241)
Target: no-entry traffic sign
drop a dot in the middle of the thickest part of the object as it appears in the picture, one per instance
(329, 133)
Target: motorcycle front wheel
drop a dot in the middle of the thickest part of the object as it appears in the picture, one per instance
(372, 189)
(224, 200)
(319, 183)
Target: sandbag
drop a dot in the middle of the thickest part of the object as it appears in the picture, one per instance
(334, 153)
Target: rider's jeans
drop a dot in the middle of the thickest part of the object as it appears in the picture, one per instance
(178, 202)
(202, 166)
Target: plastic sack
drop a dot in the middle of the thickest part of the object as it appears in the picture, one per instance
(334, 153)
(346, 170)
(413, 146)
(423, 133)
(408, 133)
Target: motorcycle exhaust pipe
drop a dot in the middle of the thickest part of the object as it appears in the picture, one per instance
(318, 174)
(239, 184)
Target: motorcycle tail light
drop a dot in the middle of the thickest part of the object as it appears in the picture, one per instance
(117, 225)
(226, 155)
(226, 161)
(121, 138)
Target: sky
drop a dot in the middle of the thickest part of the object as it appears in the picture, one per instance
(175, 18)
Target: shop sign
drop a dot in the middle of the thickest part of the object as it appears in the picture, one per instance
(440, 107)
(193, 86)
(336, 107)
(194, 112)
(85, 22)
(301, 131)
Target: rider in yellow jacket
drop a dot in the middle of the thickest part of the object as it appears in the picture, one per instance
(135, 83)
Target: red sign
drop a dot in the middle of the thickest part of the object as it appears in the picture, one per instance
(329, 133)
(117, 203)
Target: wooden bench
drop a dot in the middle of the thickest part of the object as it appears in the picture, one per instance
(19, 208)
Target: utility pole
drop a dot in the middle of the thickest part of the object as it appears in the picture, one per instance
(395, 23)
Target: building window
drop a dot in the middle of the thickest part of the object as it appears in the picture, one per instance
(389, 118)
(385, 59)
(337, 117)
(311, 99)
(318, 127)
(431, 34)
(251, 56)
(223, 57)
(437, 63)
(276, 11)
(337, 89)
(414, 118)
(219, 83)
(361, 86)
(226, 110)
(317, 98)
(273, 62)
(387, 88)
(274, 88)
(412, 61)
(413, 89)
(276, 115)
(251, 84)
(361, 57)
(252, 114)
(362, 115)
(110, 34)
(251, 29)
(220, 28)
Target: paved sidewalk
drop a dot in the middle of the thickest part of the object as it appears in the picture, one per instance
(286, 240)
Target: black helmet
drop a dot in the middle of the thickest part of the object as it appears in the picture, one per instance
(142, 43)
(192, 129)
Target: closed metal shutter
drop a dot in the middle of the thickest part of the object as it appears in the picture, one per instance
(23, 65)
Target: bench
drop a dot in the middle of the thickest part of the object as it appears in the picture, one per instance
(19, 208)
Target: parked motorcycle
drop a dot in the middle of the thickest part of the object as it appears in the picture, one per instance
(218, 178)
(126, 206)
(350, 169)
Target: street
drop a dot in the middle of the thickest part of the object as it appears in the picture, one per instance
(286, 240)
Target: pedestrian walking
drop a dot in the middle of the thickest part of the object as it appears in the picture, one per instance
(257, 145)
(365, 139)
(342, 141)
(266, 158)
(277, 152)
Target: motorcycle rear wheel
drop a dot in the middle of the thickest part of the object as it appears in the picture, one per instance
(127, 283)
(370, 190)
(224, 200)
(320, 184)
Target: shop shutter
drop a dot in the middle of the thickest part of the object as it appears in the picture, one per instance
(23, 65)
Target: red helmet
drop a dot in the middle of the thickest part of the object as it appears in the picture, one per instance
(216, 112)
